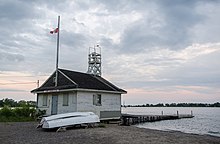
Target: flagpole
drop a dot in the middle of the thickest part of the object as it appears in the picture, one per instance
(57, 60)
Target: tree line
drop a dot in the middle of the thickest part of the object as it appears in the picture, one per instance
(12, 103)
(217, 104)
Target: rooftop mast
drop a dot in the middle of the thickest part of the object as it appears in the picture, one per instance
(57, 60)
(94, 60)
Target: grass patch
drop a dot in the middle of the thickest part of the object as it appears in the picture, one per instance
(15, 119)
(20, 114)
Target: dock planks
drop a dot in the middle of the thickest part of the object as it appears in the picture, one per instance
(130, 119)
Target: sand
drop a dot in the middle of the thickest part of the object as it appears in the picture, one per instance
(25, 132)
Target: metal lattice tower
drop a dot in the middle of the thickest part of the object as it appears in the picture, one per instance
(94, 63)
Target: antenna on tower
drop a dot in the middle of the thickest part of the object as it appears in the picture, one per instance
(94, 60)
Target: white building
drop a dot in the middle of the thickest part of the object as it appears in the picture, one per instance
(79, 92)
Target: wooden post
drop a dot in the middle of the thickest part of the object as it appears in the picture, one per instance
(38, 82)
(191, 113)
(161, 112)
(177, 113)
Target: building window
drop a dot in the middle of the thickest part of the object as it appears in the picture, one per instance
(45, 100)
(97, 99)
(65, 99)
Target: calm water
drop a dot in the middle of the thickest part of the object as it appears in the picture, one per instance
(206, 120)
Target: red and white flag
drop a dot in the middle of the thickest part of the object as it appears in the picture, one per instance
(56, 30)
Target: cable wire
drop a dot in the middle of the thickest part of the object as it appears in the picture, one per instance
(18, 83)
(22, 76)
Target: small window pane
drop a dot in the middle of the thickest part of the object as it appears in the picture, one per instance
(94, 99)
(65, 99)
(44, 100)
(97, 100)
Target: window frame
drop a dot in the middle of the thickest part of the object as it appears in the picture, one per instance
(97, 99)
(45, 100)
(65, 99)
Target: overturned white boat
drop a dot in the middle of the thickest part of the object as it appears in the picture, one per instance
(68, 119)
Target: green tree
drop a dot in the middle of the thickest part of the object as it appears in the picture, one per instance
(10, 102)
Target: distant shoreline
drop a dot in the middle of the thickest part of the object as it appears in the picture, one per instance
(217, 104)
(13, 103)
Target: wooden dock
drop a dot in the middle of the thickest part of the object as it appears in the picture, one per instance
(130, 119)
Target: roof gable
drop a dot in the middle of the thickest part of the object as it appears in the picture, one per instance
(76, 80)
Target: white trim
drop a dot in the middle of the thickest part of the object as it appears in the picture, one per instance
(104, 91)
(80, 89)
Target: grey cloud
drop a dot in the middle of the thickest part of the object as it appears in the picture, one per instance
(200, 71)
(124, 6)
(115, 5)
(166, 61)
(179, 17)
(107, 43)
(78, 23)
(16, 18)
(16, 10)
(203, 70)
(16, 45)
(71, 39)
(4, 56)
(209, 29)
(10, 61)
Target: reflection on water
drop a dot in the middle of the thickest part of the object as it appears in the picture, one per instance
(206, 120)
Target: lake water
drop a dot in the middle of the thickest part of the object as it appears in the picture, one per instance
(206, 120)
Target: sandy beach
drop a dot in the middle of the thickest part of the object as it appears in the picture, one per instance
(25, 132)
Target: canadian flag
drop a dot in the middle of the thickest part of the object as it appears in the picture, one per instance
(56, 30)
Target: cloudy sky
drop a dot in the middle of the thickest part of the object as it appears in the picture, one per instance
(158, 50)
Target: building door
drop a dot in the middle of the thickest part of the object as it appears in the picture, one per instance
(54, 104)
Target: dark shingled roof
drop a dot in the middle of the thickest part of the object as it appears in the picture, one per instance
(76, 80)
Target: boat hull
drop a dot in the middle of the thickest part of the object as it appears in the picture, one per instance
(68, 119)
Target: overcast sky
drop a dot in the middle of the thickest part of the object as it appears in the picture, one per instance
(158, 50)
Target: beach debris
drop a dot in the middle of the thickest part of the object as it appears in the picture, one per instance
(61, 129)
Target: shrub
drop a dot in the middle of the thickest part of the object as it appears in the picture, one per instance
(6, 111)
(25, 112)
(18, 114)
(40, 113)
